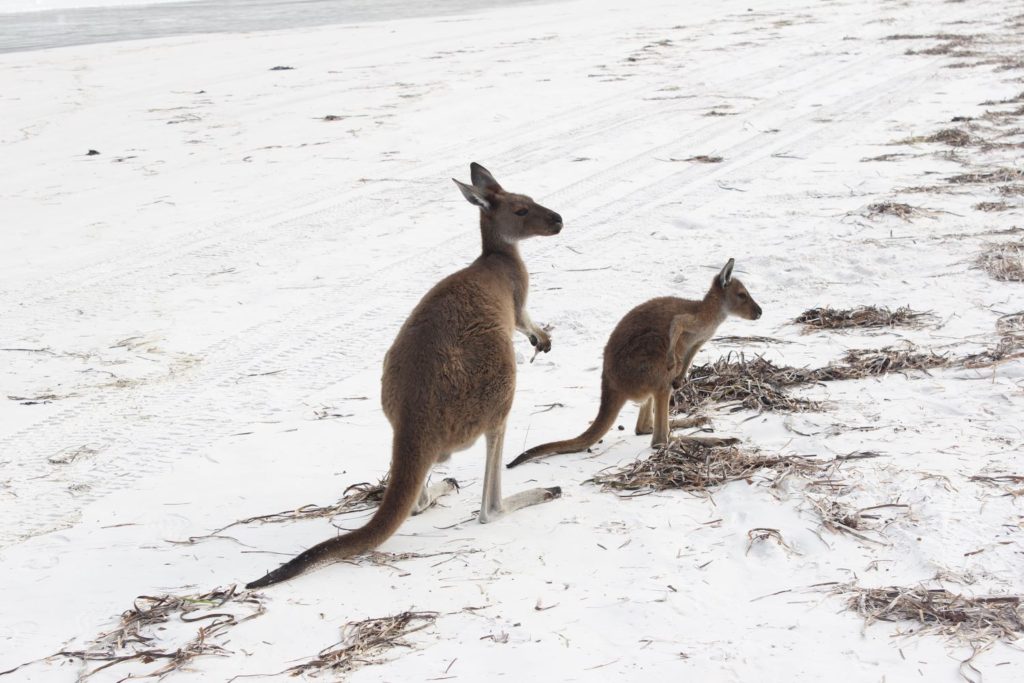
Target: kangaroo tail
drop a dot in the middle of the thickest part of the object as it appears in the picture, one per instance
(408, 472)
(611, 404)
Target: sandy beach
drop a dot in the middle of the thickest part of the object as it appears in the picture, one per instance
(209, 242)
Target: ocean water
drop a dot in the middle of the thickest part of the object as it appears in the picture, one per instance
(40, 30)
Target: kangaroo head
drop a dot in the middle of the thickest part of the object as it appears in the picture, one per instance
(512, 216)
(735, 298)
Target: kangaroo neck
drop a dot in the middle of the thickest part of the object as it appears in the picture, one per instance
(712, 307)
(492, 241)
(501, 255)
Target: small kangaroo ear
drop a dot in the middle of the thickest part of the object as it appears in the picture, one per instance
(473, 195)
(725, 277)
(482, 178)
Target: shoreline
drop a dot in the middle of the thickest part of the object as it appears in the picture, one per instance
(36, 30)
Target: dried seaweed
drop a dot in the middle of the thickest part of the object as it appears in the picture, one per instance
(363, 642)
(705, 159)
(755, 384)
(977, 620)
(952, 48)
(926, 36)
(758, 384)
(356, 498)
(838, 518)
(861, 363)
(693, 466)
(992, 206)
(138, 635)
(764, 534)
(1009, 100)
(871, 317)
(998, 479)
(1010, 346)
(1004, 261)
(1007, 348)
(999, 175)
(902, 211)
(954, 137)
(734, 340)
(1011, 325)
(892, 156)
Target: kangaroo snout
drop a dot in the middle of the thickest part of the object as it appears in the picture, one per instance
(757, 312)
(556, 223)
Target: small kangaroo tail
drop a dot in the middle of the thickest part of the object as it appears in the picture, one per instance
(408, 473)
(611, 404)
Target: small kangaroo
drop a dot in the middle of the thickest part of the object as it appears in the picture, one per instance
(649, 353)
(450, 376)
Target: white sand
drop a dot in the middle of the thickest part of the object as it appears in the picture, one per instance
(230, 263)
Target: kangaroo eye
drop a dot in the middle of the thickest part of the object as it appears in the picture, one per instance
(742, 295)
(522, 212)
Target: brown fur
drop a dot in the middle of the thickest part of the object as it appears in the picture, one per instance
(648, 353)
(450, 374)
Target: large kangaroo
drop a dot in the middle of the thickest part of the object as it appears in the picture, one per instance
(450, 376)
(648, 354)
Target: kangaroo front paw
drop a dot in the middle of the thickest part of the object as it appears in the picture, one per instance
(554, 492)
(541, 340)
(452, 483)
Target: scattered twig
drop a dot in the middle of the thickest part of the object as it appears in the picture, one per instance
(355, 498)
(762, 534)
(137, 638)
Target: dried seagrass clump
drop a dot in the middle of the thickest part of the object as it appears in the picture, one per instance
(980, 620)
(751, 384)
(862, 317)
(364, 642)
(1004, 261)
(693, 466)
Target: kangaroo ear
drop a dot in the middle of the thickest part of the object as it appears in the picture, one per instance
(473, 195)
(725, 277)
(482, 178)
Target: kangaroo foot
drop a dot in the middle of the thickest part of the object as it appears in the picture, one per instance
(692, 421)
(430, 494)
(519, 500)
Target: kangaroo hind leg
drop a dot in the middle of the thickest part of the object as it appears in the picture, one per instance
(645, 419)
(661, 433)
(492, 505)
